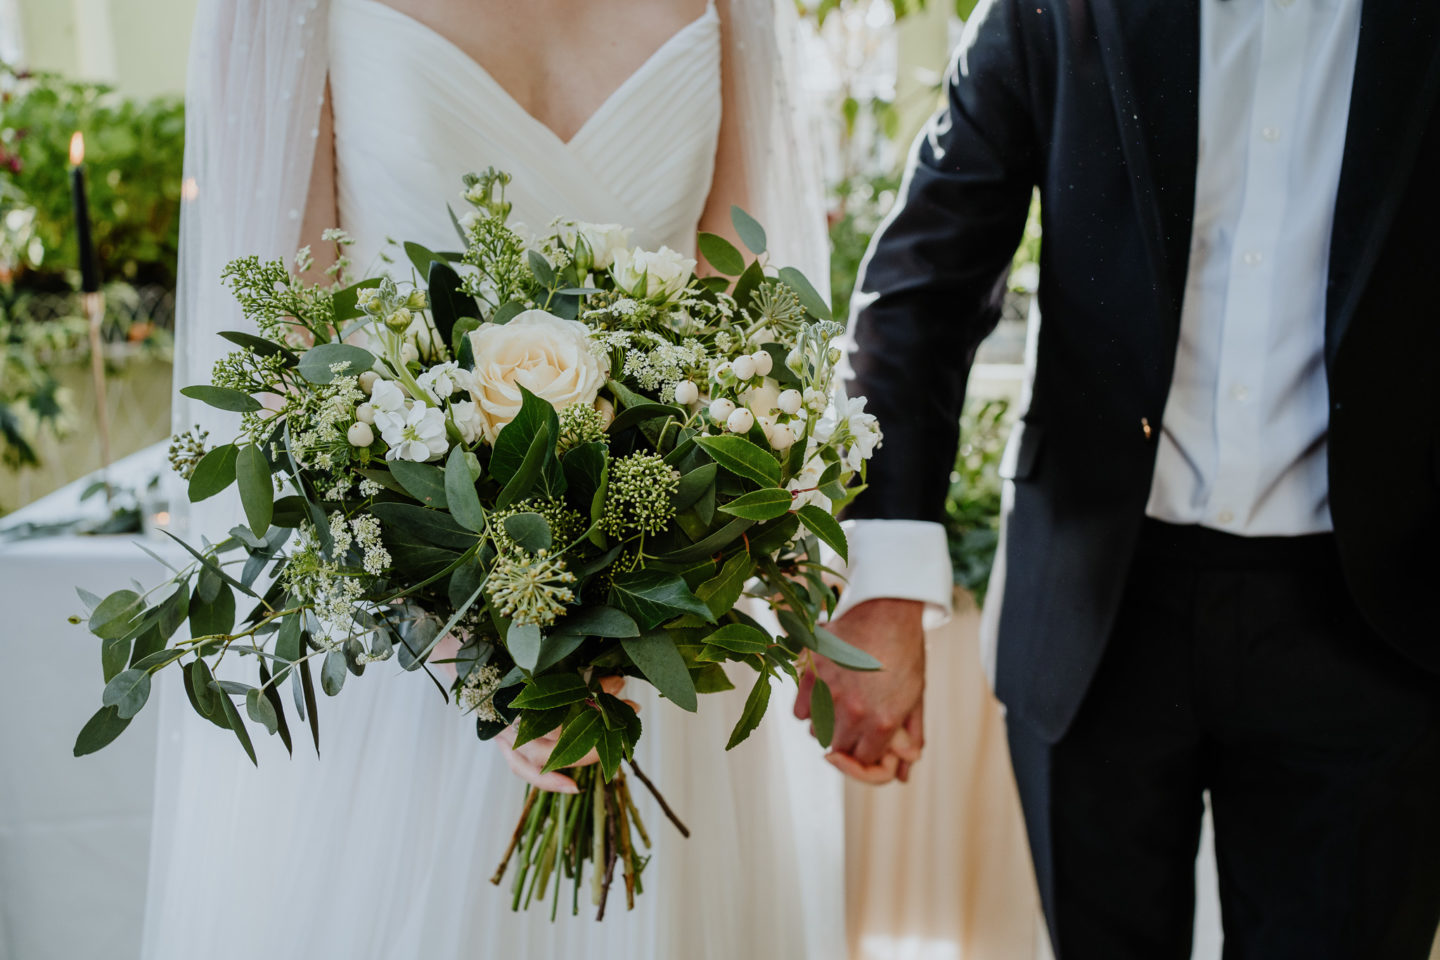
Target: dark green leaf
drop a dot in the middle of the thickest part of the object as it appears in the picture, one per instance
(693, 486)
(539, 266)
(654, 653)
(515, 439)
(420, 257)
(721, 592)
(216, 618)
(611, 750)
(722, 254)
(214, 472)
(260, 346)
(270, 691)
(424, 526)
(555, 690)
(711, 545)
(460, 493)
(597, 622)
(257, 493)
(577, 738)
(764, 504)
(542, 448)
(506, 312)
(827, 528)
(742, 458)
(232, 717)
(211, 568)
(222, 398)
(113, 654)
(99, 731)
(642, 413)
(711, 678)
(202, 695)
(810, 299)
(554, 648)
(822, 712)
(312, 704)
(754, 712)
(345, 303)
(749, 281)
(448, 303)
(652, 597)
(740, 638)
(127, 693)
(749, 230)
(316, 363)
(534, 724)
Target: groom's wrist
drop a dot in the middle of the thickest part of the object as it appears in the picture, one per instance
(899, 560)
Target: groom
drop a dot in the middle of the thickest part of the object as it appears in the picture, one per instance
(1222, 544)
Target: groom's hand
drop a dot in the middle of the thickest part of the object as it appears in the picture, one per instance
(872, 706)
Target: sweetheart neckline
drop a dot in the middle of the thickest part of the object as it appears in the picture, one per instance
(610, 99)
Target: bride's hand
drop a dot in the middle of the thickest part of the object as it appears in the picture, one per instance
(527, 760)
(894, 765)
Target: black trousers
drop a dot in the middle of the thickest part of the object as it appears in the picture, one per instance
(1240, 666)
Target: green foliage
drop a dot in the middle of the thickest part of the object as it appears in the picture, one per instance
(972, 509)
(133, 156)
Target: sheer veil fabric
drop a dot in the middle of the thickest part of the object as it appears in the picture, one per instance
(383, 847)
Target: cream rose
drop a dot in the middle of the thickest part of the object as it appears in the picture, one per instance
(655, 275)
(550, 357)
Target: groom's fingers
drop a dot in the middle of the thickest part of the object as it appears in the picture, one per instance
(874, 742)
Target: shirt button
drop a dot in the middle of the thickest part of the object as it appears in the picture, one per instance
(1240, 393)
(1225, 517)
(1270, 133)
(1253, 258)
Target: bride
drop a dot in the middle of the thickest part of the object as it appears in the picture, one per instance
(658, 114)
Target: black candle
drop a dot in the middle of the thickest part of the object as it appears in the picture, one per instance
(89, 270)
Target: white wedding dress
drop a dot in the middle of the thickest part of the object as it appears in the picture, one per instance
(382, 848)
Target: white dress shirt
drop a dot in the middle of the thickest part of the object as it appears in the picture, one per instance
(1242, 447)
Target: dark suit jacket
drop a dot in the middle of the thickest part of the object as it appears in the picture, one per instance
(1095, 102)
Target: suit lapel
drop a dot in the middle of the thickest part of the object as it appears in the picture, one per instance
(1151, 53)
(1397, 76)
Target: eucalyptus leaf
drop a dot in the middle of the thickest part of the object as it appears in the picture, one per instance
(99, 731)
(422, 481)
(257, 492)
(748, 229)
(523, 641)
(530, 531)
(214, 472)
(232, 717)
(259, 346)
(460, 493)
(822, 712)
(332, 673)
(324, 362)
(261, 710)
(115, 616)
(222, 398)
(721, 254)
(837, 650)
(810, 299)
(127, 693)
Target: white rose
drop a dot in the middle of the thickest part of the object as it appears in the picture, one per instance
(469, 420)
(655, 275)
(605, 240)
(418, 434)
(550, 357)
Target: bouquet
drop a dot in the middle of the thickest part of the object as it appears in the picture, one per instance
(571, 456)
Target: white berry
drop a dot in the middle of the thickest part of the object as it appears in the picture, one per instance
(686, 393)
(365, 413)
(740, 421)
(360, 434)
(744, 367)
(367, 380)
(764, 363)
(790, 401)
(781, 436)
(720, 409)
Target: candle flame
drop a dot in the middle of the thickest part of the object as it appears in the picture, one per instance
(77, 148)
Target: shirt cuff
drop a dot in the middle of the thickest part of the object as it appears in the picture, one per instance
(898, 560)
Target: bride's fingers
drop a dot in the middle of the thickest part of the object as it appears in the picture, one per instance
(904, 746)
(882, 772)
(528, 771)
(902, 771)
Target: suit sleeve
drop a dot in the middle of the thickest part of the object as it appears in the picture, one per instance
(933, 281)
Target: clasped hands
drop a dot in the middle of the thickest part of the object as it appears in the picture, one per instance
(879, 715)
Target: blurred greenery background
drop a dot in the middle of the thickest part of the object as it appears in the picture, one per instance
(874, 69)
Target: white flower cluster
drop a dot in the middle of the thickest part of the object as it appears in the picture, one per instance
(311, 578)
(477, 693)
(364, 531)
(325, 415)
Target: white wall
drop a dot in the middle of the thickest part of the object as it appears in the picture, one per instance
(139, 46)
